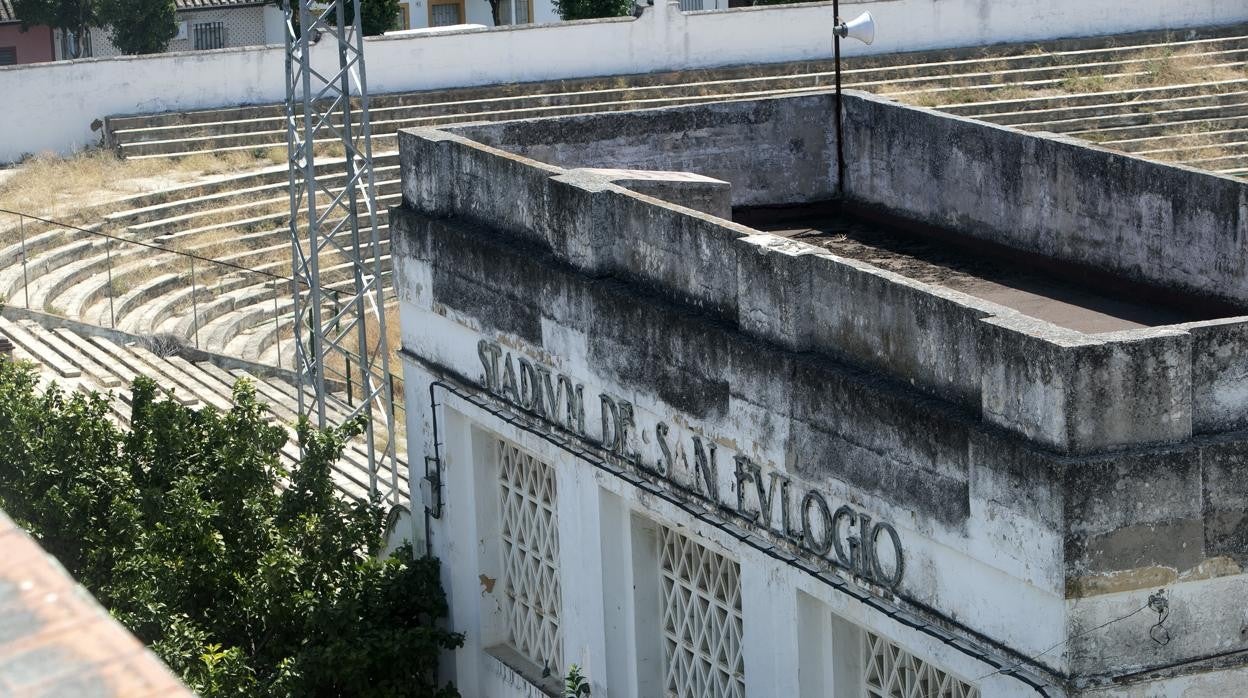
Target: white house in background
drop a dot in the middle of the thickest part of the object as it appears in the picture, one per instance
(202, 25)
(417, 14)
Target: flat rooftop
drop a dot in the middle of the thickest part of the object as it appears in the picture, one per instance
(1066, 295)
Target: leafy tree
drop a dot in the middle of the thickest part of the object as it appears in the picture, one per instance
(376, 16)
(74, 16)
(140, 26)
(593, 9)
(246, 579)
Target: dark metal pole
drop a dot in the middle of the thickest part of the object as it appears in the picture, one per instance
(21, 224)
(194, 302)
(112, 312)
(840, 134)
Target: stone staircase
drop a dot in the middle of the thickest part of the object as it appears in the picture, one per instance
(83, 362)
(1154, 94)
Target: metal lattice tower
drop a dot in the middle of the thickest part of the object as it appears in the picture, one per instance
(341, 357)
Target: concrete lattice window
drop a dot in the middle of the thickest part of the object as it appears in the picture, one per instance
(892, 672)
(530, 547)
(700, 600)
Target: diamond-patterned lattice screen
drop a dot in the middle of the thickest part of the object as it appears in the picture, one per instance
(892, 672)
(701, 612)
(530, 538)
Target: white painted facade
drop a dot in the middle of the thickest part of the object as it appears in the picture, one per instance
(799, 636)
(59, 101)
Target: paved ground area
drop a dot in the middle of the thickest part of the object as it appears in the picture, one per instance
(1070, 300)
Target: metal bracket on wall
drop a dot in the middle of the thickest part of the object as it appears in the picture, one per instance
(431, 487)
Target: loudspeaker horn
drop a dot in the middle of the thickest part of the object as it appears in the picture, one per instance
(861, 28)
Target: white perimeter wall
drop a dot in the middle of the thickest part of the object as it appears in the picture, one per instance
(50, 106)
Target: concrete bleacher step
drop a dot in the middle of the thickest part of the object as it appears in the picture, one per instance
(269, 117)
(183, 218)
(1135, 103)
(1158, 94)
(37, 350)
(90, 359)
(129, 366)
(1102, 122)
(1182, 126)
(1145, 144)
(35, 243)
(85, 363)
(151, 316)
(13, 278)
(49, 291)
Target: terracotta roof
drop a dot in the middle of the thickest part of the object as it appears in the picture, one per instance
(55, 640)
(6, 11)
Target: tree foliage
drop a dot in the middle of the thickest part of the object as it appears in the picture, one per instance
(376, 16)
(140, 26)
(179, 528)
(593, 9)
(74, 16)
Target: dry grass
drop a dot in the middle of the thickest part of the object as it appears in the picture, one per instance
(64, 187)
(54, 186)
(1142, 69)
(1134, 70)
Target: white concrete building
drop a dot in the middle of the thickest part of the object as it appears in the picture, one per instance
(836, 459)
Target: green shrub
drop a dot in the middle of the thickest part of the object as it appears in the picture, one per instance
(180, 529)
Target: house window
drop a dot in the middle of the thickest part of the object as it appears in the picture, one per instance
(403, 19)
(444, 14)
(515, 12)
(8, 55)
(209, 35)
(690, 5)
(700, 616)
(530, 550)
(892, 671)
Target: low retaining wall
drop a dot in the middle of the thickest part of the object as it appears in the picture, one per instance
(59, 101)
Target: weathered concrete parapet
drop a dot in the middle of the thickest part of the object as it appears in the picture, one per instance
(1063, 198)
(448, 175)
(1026, 376)
(1071, 392)
(1219, 374)
(698, 192)
(1080, 394)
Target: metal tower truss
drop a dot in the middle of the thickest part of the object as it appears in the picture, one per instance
(341, 356)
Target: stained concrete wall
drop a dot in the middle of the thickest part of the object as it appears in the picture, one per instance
(1063, 198)
(747, 144)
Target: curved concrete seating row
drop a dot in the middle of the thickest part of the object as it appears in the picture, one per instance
(83, 362)
(1075, 86)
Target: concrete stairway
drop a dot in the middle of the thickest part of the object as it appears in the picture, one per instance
(1102, 88)
(86, 363)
